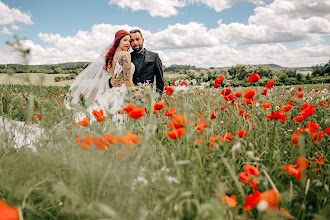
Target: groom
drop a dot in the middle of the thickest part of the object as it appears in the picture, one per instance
(147, 64)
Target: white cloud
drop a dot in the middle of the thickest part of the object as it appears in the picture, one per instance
(163, 8)
(281, 21)
(8, 16)
(6, 31)
(15, 27)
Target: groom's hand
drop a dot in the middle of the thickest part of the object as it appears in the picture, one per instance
(115, 82)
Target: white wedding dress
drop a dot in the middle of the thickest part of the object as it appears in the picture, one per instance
(110, 100)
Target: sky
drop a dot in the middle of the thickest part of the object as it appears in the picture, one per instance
(203, 33)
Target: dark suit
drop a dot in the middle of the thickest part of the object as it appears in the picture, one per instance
(146, 71)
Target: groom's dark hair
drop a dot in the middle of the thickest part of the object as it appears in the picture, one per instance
(135, 31)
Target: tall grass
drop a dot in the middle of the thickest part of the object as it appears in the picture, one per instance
(161, 178)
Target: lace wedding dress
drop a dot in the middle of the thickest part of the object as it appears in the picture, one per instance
(110, 100)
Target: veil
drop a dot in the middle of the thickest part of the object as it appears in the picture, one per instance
(89, 82)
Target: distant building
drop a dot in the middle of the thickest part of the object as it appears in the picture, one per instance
(304, 72)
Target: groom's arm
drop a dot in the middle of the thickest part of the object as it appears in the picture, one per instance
(159, 75)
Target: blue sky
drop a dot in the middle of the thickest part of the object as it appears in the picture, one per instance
(198, 32)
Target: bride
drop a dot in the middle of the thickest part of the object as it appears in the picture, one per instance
(91, 88)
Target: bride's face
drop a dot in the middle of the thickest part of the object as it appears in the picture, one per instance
(124, 43)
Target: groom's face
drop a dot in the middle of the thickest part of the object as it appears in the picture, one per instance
(137, 42)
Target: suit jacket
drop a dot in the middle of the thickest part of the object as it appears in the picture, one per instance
(146, 71)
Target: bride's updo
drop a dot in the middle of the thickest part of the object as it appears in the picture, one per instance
(109, 57)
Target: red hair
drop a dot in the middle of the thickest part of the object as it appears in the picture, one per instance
(109, 57)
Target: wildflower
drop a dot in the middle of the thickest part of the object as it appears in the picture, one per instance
(199, 141)
(158, 106)
(100, 144)
(170, 112)
(299, 89)
(24, 104)
(200, 127)
(241, 111)
(219, 80)
(22, 94)
(327, 131)
(296, 170)
(99, 115)
(265, 106)
(241, 133)
(8, 212)
(175, 133)
(303, 106)
(308, 111)
(110, 139)
(277, 116)
(286, 108)
(319, 161)
(199, 114)
(269, 84)
(183, 83)
(228, 97)
(212, 141)
(37, 117)
(86, 143)
(213, 115)
(237, 94)
(268, 199)
(177, 121)
(291, 102)
(249, 93)
(264, 92)
(254, 77)
(298, 119)
(225, 92)
(129, 108)
(137, 113)
(131, 139)
(83, 122)
(169, 90)
(226, 136)
(252, 200)
(229, 200)
(216, 85)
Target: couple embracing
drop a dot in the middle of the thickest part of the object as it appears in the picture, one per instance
(93, 86)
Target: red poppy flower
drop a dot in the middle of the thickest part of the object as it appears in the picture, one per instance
(86, 143)
(137, 113)
(271, 197)
(216, 85)
(177, 121)
(169, 91)
(264, 92)
(212, 141)
(183, 83)
(226, 136)
(219, 80)
(265, 106)
(200, 127)
(241, 111)
(213, 115)
(250, 169)
(249, 93)
(225, 92)
(237, 94)
(291, 102)
(252, 200)
(299, 89)
(312, 127)
(319, 161)
(276, 116)
(100, 144)
(241, 133)
(308, 111)
(270, 84)
(170, 112)
(298, 119)
(158, 106)
(175, 133)
(229, 200)
(99, 115)
(244, 177)
(37, 117)
(83, 122)
(173, 83)
(24, 104)
(327, 131)
(301, 164)
(286, 108)
(129, 108)
(254, 77)
(8, 212)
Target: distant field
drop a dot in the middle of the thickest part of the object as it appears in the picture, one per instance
(33, 78)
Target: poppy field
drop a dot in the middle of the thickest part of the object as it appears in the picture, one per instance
(258, 152)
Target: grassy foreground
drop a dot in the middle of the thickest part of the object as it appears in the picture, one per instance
(160, 177)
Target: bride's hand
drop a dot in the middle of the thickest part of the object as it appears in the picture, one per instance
(115, 82)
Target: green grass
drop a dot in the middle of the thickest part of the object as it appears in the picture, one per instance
(161, 178)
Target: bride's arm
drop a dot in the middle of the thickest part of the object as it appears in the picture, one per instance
(125, 61)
